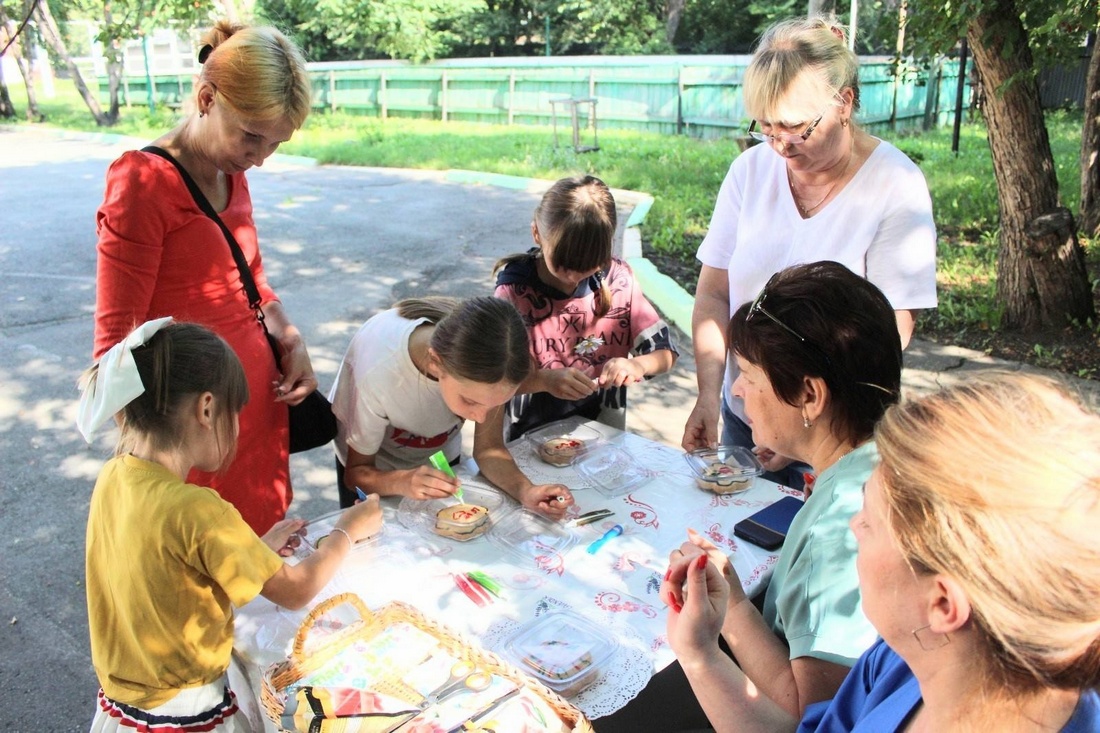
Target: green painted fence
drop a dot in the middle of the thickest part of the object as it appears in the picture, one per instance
(694, 95)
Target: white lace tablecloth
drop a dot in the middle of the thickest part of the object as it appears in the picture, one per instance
(617, 587)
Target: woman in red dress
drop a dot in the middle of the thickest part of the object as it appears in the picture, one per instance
(159, 255)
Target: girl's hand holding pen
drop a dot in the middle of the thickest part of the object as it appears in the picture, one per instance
(424, 482)
(551, 500)
(618, 372)
(362, 520)
(568, 383)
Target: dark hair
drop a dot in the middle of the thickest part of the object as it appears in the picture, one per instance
(481, 339)
(178, 363)
(851, 341)
(576, 219)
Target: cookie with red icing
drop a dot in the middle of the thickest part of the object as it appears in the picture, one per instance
(722, 478)
(560, 451)
(462, 521)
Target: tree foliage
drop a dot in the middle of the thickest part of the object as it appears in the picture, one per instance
(331, 30)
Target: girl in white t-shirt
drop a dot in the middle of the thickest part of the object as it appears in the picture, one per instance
(410, 378)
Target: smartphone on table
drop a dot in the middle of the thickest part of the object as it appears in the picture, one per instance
(768, 527)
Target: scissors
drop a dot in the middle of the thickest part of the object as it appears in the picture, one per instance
(463, 676)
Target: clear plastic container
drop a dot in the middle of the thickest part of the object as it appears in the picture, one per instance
(562, 442)
(318, 530)
(727, 469)
(424, 516)
(562, 650)
(612, 470)
(532, 538)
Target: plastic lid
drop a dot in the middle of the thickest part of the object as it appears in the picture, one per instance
(563, 650)
(726, 469)
(740, 460)
(562, 442)
(321, 527)
(531, 537)
(612, 470)
(422, 516)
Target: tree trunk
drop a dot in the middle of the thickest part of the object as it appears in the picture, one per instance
(23, 52)
(47, 26)
(25, 62)
(672, 24)
(1090, 147)
(112, 53)
(1041, 276)
(7, 109)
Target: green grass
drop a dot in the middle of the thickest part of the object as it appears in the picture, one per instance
(682, 174)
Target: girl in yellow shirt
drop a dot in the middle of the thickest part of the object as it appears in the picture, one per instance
(167, 561)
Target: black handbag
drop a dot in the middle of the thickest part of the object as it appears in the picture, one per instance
(312, 423)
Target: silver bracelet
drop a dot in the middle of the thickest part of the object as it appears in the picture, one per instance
(341, 530)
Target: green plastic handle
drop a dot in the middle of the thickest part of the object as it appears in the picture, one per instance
(485, 581)
(440, 463)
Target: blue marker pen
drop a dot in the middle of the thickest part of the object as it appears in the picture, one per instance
(613, 532)
(361, 494)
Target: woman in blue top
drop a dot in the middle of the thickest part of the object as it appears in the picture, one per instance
(980, 575)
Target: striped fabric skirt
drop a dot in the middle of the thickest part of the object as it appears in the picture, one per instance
(212, 707)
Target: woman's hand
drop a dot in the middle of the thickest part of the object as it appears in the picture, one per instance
(694, 625)
(619, 371)
(285, 536)
(551, 500)
(298, 379)
(424, 482)
(701, 430)
(698, 546)
(567, 384)
(771, 460)
(362, 520)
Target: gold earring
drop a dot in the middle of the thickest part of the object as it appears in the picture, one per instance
(931, 641)
(844, 122)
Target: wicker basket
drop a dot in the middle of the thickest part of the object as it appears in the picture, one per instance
(300, 664)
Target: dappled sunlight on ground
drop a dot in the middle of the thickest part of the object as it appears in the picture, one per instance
(84, 467)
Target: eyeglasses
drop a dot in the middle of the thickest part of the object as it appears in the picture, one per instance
(758, 307)
(787, 138)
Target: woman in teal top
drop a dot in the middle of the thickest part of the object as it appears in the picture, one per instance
(980, 575)
(820, 362)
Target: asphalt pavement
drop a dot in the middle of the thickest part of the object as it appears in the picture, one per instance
(339, 245)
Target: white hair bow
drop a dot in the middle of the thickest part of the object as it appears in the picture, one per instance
(117, 381)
